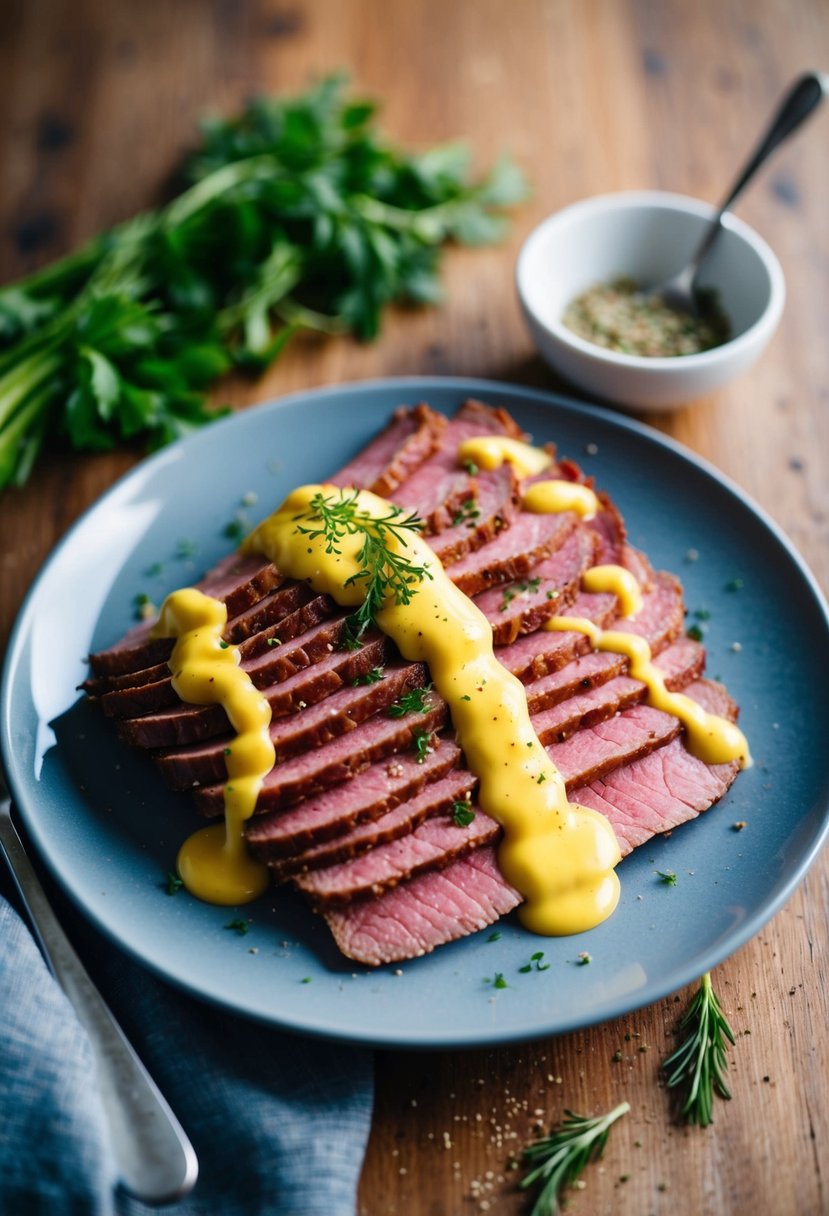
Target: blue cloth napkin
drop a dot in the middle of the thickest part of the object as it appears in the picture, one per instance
(279, 1123)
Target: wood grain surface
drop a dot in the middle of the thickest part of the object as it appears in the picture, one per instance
(99, 100)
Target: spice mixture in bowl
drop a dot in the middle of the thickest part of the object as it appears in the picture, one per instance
(583, 275)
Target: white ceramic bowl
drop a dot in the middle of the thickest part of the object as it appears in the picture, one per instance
(647, 237)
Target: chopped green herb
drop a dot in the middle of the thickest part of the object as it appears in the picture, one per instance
(553, 595)
(559, 1159)
(530, 584)
(699, 1064)
(274, 641)
(541, 778)
(470, 467)
(734, 584)
(695, 632)
(422, 742)
(186, 549)
(228, 751)
(144, 606)
(495, 936)
(462, 814)
(466, 513)
(584, 959)
(224, 645)
(306, 979)
(238, 926)
(667, 877)
(415, 701)
(466, 697)
(237, 529)
(174, 884)
(535, 963)
(370, 677)
(498, 981)
(155, 570)
(702, 614)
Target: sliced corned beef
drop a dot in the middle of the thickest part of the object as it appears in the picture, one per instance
(411, 436)
(236, 580)
(491, 506)
(203, 763)
(183, 724)
(433, 844)
(379, 788)
(438, 489)
(435, 798)
(429, 911)
(513, 552)
(521, 607)
(321, 768)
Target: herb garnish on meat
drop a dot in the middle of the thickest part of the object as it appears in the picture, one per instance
(386, 574)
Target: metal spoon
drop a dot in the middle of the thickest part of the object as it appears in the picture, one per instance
(804, 96)
(156, 1161)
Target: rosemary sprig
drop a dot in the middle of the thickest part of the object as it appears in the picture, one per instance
(699, 1063)
(559, 1158)
(387, 573)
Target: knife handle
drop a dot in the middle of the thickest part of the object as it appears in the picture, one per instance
(155, 1159)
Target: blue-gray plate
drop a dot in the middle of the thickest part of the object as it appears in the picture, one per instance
(109, 831)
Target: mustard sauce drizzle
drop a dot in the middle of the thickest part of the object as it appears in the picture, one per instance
(558, 855)
(541, 498)
(214, 863)
(710, 738)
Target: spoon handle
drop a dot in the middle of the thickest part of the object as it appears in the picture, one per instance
(155, 1159)
(804, 96)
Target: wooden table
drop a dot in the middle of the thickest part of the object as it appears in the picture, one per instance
(98, 100)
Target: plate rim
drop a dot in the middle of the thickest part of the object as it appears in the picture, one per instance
(472, 1037)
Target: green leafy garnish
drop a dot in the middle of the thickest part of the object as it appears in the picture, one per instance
(698, 1065)
(498, 981)
(422, 742)
(558, 1159)
(466, 513)
(462, 814)
(535, 963)
(415, 701)
(387, 574)
(667, 877)
(173, 884)
(238, 926)
(370, 677)
(294, 215)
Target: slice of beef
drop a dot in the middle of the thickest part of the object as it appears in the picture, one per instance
(492, 505)
(307, 775)
(411, 437)
(435, 798)
(379, 788)
(308, 729)
(521, 607)
(536, 654)
(429, 911)
(679, 664)
(596, 750)
(236, 580)
(513, 552)
(184, 724)
(438, 489)
(294, 611)
(433, 844)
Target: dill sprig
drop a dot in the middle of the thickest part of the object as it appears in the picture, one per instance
(386, 573)
(559, 1158)
(699, 1063)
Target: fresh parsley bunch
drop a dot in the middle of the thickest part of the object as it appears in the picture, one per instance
(295, 214)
